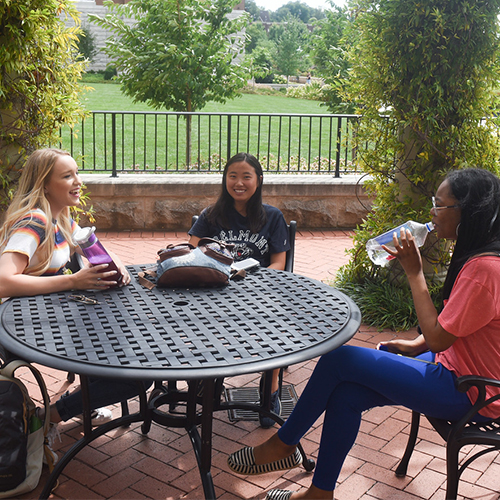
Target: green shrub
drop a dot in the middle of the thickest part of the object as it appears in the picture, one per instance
(280, 79)
(311, 91)
(110, 72)
(382, 304)
(260, 90)
(93, 77)
(269, 78)
(86, 44)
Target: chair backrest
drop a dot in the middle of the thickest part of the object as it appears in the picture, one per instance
(290, 254)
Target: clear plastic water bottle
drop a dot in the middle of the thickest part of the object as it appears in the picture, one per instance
(374, 246)
(96, 253)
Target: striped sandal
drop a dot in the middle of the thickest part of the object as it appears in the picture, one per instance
(279, 495)
(243, 462)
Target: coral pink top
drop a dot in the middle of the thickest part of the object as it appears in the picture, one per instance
(472, 314)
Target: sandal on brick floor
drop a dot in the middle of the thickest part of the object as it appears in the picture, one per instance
(99, 416)
(243, 462)
(279, 495)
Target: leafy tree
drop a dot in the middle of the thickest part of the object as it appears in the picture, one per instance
(86, 44)
(177, 55)
(329, 55)
(291, 38)
(252, 9)
(256, 34)
(39, 80)
(299, 10)
(262, 63)
(433, 67)
(328, 44)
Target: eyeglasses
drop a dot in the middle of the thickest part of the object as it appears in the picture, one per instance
(435, 207)
(82, 299)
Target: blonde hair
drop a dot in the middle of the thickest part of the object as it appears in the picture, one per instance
(29, 196)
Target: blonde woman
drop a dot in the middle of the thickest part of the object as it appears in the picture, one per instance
(36, 243)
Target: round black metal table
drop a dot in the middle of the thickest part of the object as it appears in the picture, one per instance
(268, 320)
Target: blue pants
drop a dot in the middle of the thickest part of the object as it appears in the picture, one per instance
(350, 380)
(103, 392)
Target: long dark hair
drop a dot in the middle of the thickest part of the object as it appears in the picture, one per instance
(217, 213)
(477, 192)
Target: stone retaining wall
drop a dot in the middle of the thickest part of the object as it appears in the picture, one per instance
(167, 202)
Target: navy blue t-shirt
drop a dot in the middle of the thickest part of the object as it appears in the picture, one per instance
(271, 239)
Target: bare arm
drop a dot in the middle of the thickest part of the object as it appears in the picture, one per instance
(278, 261)
(14, 283)
(193, 240)
(405, 347)
(436, 337)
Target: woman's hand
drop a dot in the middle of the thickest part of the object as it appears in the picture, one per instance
(119, 264)
(407, 253)
(126, 276)
(94, 277)
(404, 346)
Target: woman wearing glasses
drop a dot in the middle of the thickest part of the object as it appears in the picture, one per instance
(460, 339)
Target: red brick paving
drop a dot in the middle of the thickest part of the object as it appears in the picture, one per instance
(124, 464)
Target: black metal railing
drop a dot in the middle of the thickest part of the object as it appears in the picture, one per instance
(149, 142)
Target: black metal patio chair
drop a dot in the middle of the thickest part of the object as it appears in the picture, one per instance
(459, 434)
(246, 394)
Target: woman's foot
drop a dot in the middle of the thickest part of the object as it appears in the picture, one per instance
(272, 450)
(273, 455)
(267, 422)
(98, 416)
(312, 493)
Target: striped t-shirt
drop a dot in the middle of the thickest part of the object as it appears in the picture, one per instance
(27, 235)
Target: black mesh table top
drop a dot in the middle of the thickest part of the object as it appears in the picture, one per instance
(268, 320)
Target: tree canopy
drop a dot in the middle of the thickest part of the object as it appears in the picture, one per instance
(40, 72)
(176, 55)
(424, 77)
(291, 38)
(329, 56)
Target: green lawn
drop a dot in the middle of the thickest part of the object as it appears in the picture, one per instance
(108, 97)
(156, 142)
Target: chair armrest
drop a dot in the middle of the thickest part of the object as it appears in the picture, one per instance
(465, 383)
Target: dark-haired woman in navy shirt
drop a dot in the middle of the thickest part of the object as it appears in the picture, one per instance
(256, 230)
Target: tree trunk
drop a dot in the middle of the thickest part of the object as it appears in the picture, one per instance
(408, 162)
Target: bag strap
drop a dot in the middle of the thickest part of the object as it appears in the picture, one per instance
(220, 256)
(142, 276)
(175, 251)
(8, 371)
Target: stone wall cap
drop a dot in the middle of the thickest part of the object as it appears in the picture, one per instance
(215, 178)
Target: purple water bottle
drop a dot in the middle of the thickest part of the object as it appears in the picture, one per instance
(96, 253)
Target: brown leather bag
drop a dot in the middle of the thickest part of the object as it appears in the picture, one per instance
(182, 265)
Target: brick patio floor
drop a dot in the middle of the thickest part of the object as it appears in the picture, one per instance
(124, 464)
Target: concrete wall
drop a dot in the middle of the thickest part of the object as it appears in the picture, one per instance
(163, 201)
